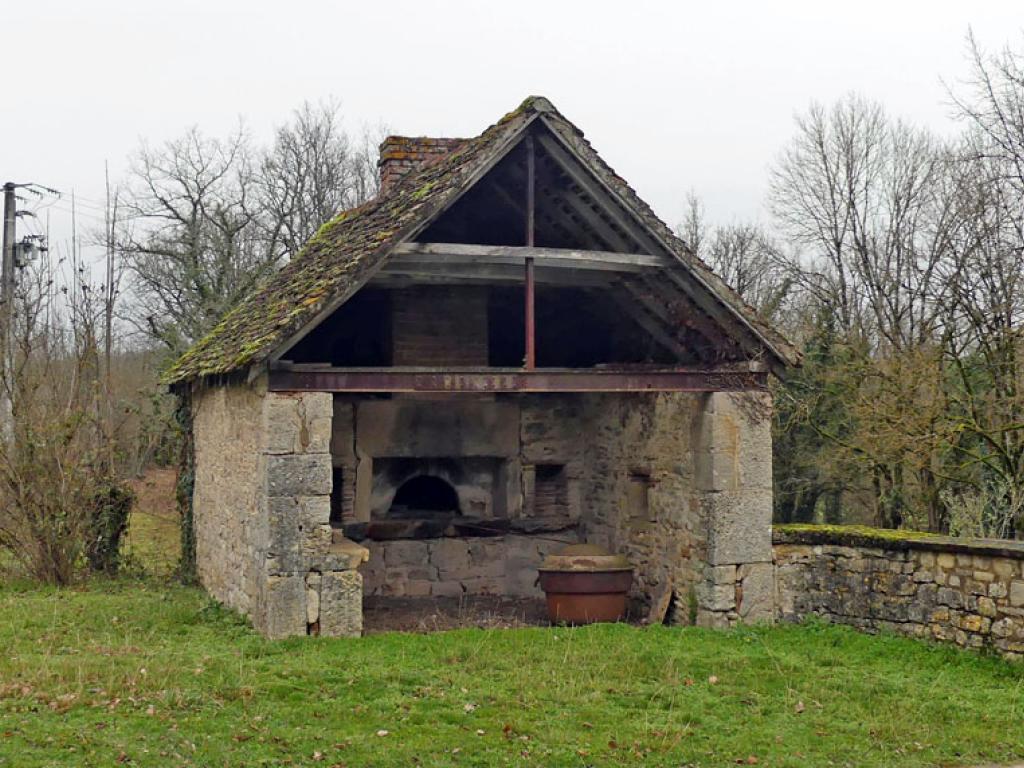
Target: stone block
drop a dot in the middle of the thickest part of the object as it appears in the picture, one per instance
(1017, 594)
(450, 556)
(281, 423)
(986, 607)
(720, 574)
(1004, 568)
(406, 553)
(317, 411)
(297, 423)
(739, 527)
(521, 577)
(946, 560)
(716, 597)
(485, 551)
(950, 597)
(299, 475)
(446, 589)
(758, 589)
(970, 622)
(312, 597)
(712, 619)
(282, 606)
(484, 586)
(298, 534)
(341, 604)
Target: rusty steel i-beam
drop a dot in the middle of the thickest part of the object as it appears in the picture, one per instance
(328, 379)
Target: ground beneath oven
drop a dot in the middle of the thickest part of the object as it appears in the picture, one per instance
(435, 614)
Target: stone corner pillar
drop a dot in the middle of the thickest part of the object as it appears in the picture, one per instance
(308, 583)
(732, 460)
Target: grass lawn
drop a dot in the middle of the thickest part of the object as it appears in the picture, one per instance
(145, 674)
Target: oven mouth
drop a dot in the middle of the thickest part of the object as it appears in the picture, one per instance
(424, 497)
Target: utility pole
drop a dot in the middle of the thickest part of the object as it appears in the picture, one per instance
(7, 315)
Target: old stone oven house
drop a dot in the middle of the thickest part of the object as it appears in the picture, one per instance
(505, 350)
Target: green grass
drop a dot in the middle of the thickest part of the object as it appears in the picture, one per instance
(153, 675)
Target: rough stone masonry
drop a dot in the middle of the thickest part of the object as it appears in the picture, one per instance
(680, 482)
(262, 506)
(961, 591)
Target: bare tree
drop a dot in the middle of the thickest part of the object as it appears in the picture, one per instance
(312, 171)
(204, 219)
(742, 254)
(857, 191)
(190, 242)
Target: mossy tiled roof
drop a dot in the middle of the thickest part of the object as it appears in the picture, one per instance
(342, 255)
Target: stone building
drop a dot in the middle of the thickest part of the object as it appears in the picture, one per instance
(505, 350)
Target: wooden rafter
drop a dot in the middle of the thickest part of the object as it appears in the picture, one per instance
(651, 325)
(588, 185)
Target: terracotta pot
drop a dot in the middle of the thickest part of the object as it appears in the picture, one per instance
(584, 584)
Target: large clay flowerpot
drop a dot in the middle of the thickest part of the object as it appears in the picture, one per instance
(585, 583)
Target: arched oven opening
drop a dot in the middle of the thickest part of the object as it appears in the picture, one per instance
(424, 497)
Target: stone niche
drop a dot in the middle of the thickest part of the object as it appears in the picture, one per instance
(454, 496)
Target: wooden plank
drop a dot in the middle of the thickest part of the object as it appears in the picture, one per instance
(456, 262)
(495, 273)
(516, 254)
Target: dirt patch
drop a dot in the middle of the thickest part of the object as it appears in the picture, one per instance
(433, 614)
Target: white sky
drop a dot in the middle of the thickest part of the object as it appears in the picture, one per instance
(674, 95)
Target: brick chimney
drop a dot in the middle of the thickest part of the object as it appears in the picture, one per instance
(401, 154)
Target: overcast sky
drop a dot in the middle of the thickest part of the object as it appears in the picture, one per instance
(674, 95)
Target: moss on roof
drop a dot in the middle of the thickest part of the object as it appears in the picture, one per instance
(347, 249)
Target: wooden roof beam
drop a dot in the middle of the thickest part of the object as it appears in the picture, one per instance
(468, 253)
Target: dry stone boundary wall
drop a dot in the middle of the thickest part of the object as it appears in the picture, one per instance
(967, 592)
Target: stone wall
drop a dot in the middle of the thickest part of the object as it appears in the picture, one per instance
(967, 592)
(228, 491)
(452, 567)
(681, 484)
(678, 482)
(264, 543)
